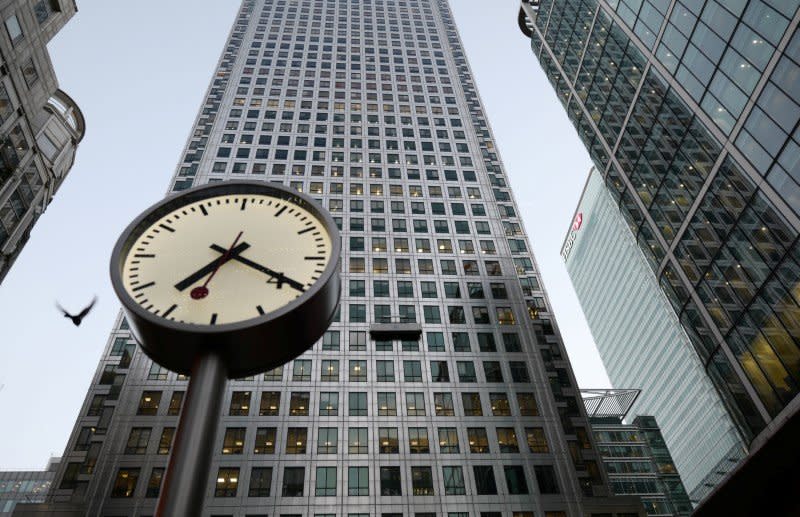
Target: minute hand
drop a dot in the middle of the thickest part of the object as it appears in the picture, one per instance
(258, 267)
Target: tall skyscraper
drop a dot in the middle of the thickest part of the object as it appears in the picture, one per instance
(40, 125)
(688, 109)
(643, 344)
(369, 106)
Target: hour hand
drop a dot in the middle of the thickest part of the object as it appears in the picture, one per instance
(208, 268)
(280, 277)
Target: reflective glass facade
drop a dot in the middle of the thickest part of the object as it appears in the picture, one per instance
(643, 345)
(25, 486)
(370, 107)
(688, 110)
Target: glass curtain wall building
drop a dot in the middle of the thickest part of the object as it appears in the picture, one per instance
(25, 486)
(40, 125)
(642, 343)
(369, 106)
(688, 110)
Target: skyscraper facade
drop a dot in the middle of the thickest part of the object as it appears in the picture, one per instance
(40, 125)
(635, 455)
(369, 106)
(688, 109)
(642, 343)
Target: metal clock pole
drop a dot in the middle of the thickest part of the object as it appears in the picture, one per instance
(187, 472)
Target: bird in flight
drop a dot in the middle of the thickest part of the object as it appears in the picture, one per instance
(78, 318)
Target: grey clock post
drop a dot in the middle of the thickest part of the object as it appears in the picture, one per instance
(224, 281)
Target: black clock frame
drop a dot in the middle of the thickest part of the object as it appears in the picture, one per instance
(247, 347)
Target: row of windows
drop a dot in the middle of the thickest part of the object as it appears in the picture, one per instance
(389, 482)
(386, 402)
(357, 441)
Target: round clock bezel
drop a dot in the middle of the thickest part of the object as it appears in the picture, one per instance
(249, 346)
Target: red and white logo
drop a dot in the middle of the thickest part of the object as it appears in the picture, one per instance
(576, 225)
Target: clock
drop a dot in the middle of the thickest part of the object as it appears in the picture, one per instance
(246, 270)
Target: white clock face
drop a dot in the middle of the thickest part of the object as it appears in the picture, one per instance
(226, 259)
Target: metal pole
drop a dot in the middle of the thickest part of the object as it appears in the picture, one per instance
(184, 487)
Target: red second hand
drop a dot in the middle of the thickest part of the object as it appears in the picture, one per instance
(201, 292)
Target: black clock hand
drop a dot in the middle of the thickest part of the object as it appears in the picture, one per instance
(205, 270)
(280, 277)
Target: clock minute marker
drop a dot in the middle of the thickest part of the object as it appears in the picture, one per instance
(143, 286)
(279, 212)
(301, 232)
(168, 228)
(169, 311)
(213, 319)
(260, 309)
(203, 209)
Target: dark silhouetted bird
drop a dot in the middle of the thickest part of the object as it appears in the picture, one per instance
(77, 319)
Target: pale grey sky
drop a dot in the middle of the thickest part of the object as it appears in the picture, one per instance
(139, 72)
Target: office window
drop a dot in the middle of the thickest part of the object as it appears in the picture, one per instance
(293, 481)
(357, 481)
(466, 371)
(260, 482)
(439, 372)
(301, 370)
(138, 440)
(154, 483)
(358, 371)
(125, 482)
(537, 441)
(453, 481)
(357, 404)
(328, 403)
(327, 440)
(240, 403)
(512, 343)
(384, 371)
(500, 405)
(270, 403)
(233, 441)
(227, 482)
(388, 440)
(421, 481)
(527, 404)
(329, 371)
(14, 29)
(443, 402)
(472, 404)
(330, 340)
(390, 481)
(357, 442)
(461, 342)
(515, 479)
(165, 442)
(412, 371)
(148, 404)
(418, 440)
(415, 404)
(358, 341)
(448, 440)
(296, 440)
(492, 371)
(478, 440)
(507, 439)
(484, 480)
(519, 371)
(299, 403)
(486, 342)
(326, 481)
(274, 375)
(387, 404)
(265, 440)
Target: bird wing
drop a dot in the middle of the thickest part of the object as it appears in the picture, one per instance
(62, 309)
(85, 311)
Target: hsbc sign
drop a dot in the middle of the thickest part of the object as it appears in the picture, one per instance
(576, 225)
